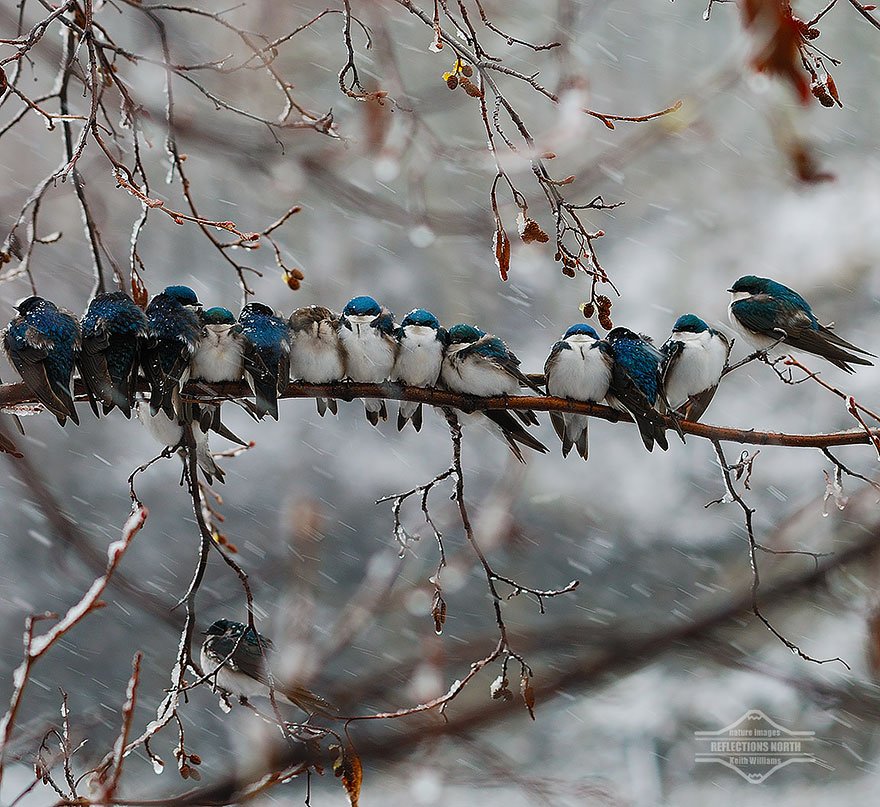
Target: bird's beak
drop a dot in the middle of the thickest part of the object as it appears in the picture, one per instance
(345, 323)
(730, 290)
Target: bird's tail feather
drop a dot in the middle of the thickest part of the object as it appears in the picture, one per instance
(310, 702)
(514, 433)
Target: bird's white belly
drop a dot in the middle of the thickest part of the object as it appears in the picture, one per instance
(316, 359)
(698, 368)
(162, 428)
(232, 681)
(580, 374)
(418, 359)
(218, 356)
(369, 354)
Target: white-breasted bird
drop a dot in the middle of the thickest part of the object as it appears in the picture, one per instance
(316, 355)
(578, 368)
(420, 344)
(770, 315)
(220, 351)
(169, 433)
(694, 357)
(367, 336)
(236, 659)
(478, 363)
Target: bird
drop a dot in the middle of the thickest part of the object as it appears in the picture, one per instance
(236, 659)
(266, 355)
(578, 368)
(219, 358)
(173, 332)
(169, 432)
(478, 363)
(112, 329)
(420, 344)
(367, 337)
(694, 357)
(220, 351)
(41, 343)
(635, 383)
(768, 313)
(316, 355)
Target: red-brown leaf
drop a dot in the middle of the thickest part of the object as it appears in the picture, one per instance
(438, 611)
(501, 246)
(138, 290)
(347, 767)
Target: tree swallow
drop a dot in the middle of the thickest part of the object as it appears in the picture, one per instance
(316, 355)
(266, 355)
(236, 659)
(367, 336)
(41, 343)
(173, 332)
(695, 356)
(477, 363)
(220, 351)
(578, 368)
(765, 311)
(112, 329)
(420, 343)
(168, 432)
(635, 383)
(218, 358)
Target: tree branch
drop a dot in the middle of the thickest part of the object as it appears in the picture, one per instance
(13, 394)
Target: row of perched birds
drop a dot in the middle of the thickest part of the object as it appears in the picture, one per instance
(175, 339)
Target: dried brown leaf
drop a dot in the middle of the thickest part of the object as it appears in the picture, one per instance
(138, 290)
(528, 694)
(501, 246)
(347, 767)
(530, 230)
(438, 611)
(499, 689)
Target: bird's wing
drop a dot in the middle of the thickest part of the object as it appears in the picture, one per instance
(246, 655)
(635, 401)
(494, 350)
(255, 360)
(554, 356)
(671, 351)
(250, 660)
(821, 343)
(283, 366)
(28, 357)
(832, 337)
(92, 363)
(770, 316)
(694, 407)
(33, 372)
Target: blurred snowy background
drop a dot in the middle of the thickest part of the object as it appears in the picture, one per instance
(709, 197)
